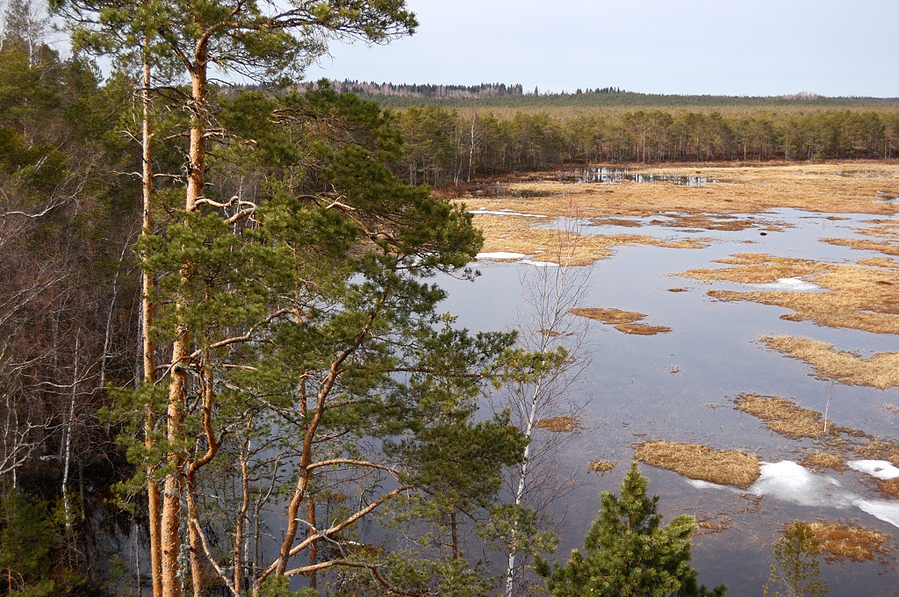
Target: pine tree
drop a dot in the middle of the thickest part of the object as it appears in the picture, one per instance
(629, 552)
(797, 568)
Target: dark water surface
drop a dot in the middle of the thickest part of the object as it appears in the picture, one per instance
(633, 394)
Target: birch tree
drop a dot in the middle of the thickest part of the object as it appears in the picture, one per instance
(553, 339)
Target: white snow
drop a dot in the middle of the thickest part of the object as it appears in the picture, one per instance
(884, 510)
(500, 255)
(794, 483)
(882, 469)
(539, 263)
(791, 285)
(698, 484)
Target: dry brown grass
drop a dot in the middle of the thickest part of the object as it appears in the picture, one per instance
(641, 329)
(559, 424)
(889, 487)
(842, 541)
(624, 321)
(859, 297)
(710, 222)
(601, 466)
(516, 234)
(822, 460)
(726, 467)
(884, 262)
(782, 416)
(758, 268)
(609, 316)
(878, 371)
(744, 189)
(864, 245)
(747, 190)
(875, 448)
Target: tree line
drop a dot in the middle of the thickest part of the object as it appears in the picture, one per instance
(445, 146)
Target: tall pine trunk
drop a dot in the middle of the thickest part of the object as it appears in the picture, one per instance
(181, 347)
(147, 311)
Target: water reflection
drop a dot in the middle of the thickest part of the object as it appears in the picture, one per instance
(680, 387)
(611, 175)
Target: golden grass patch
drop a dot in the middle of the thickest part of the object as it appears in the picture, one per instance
(758, 268)
(725, 467)
(624, 321)
(878, 371)
(884, 262)
(889, 487)
(709, 222)
(822, 460)
(864, 245)
(609, 316)
(559, 424)
(518, 234)
(842, 541)
(857, 296)
(875, 448)
(601, 466)
(743, 189)
(612, 221)
(641, 329)
(782, 416)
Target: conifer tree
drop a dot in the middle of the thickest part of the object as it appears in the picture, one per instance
(797, 568)
(628, 553)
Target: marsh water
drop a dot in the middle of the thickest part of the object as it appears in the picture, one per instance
(680, 386)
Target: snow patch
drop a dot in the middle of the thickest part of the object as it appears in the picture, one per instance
(539, 263)
(881, 509)
(791, 285)
(882, 469)
(500, 255)
(794, 483)
(698, 484)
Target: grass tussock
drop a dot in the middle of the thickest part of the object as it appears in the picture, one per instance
(608, 316)
(884, 262)
(601, 466)
(841, 541)
(822, 460)
(724, 467)
(624, 321)
(640, 329)
(889, 487)
(875, 448)
(878, 371)
(782, 416)
(559, 424)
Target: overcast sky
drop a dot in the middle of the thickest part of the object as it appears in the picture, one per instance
(718, 47)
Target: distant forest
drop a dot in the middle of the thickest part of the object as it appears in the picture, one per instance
(505, 96)
(454, 133)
